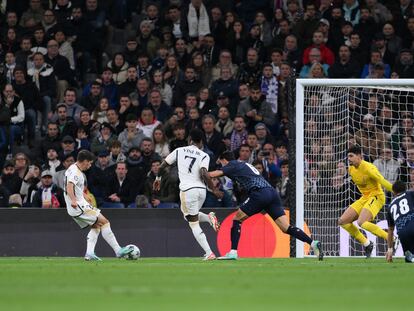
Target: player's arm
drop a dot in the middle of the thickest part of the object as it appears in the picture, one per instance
(86, 196)
(390, 235)
(157, 182)
(390, 243)
(70, 189)
(216, 173)
(205, 175)
(376, 175)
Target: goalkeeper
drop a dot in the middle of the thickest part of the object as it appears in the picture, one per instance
(369, 181)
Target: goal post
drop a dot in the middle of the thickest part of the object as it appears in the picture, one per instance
(330, 115)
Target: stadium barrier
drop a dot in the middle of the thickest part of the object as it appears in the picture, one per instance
(48, 232)
(157, 232)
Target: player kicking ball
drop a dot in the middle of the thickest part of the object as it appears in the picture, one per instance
(83, 213)
(262, 197)
(193, 165)
(369, 181)
(400, 213)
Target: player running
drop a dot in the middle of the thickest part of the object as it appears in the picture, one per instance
(400, 213)
(192, 165)
(369, 181)
(83, 213)
(262, 196)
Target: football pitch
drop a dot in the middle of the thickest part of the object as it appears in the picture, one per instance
(45, 284)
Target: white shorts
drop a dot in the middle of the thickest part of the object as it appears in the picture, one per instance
(88, 217)
(192, 200)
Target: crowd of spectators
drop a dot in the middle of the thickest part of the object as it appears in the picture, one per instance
(128, 80)
(380, 120)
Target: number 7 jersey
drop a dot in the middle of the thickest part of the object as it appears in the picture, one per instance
(401, 210)
(189, 160)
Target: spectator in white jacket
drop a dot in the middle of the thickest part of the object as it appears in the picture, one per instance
(387, 166)
(131, 136)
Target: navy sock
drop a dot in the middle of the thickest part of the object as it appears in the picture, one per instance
(235, 234)
(299, 234)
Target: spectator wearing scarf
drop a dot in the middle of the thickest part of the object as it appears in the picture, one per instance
(269, 86)
(198, 20)
(239, 134)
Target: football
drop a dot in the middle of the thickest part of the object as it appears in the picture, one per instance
(134, 255)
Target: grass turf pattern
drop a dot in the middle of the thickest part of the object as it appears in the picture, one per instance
(62, 284)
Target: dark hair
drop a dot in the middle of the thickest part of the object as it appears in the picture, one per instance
(276, 50)
(147, 109)
(143, 55)
(60, 106)
(257, 162)
(190, 94)
(174, 7)
(156, 160)
(244, 146)
(38, 53)
(19, 69)
(115, 144)
(209, 116)
(344, 45)
(114, 110)
(85, 155)
(284, 162)
(399, 187)
(26, 38)
(267, 65)
(178, 126)
(69, 89)
(146, 139)
(151, 4)
(196, 135)
(227, 155)
(96, 83)
(355, 149)
(52, 123)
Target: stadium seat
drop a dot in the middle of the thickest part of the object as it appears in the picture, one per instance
(112, 205)
(168, 205)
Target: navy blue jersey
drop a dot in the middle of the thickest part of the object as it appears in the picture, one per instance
(400, 211)
(246, 175)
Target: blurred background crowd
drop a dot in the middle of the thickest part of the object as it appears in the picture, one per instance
(128, 80)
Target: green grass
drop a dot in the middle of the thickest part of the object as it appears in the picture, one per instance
(62, 284)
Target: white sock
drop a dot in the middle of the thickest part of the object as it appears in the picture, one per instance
(110, 238)
(203, 217)
(367, 243)
(91, 240)
(200, 236)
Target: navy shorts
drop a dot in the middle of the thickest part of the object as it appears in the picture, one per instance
(264, 199)
(406, 236)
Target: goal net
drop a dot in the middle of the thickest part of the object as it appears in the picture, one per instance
(331, 116)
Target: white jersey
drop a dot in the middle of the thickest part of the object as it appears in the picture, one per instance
(75, 176)
(189, 160)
